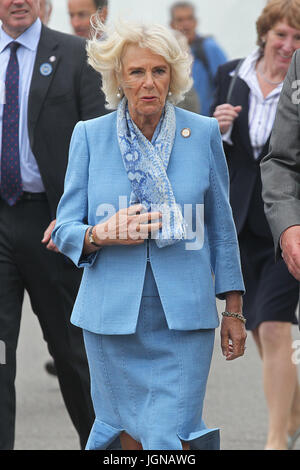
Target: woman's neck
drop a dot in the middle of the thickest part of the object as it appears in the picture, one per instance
(269, 72)
(146, 124)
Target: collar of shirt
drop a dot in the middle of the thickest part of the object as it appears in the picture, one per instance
(29, 39)
(247, 73)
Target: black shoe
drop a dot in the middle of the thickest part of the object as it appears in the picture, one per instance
(50, 368)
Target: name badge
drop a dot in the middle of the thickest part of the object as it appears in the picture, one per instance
(46, 69)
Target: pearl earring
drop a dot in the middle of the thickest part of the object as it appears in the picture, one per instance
(170, 93)
(119, 94)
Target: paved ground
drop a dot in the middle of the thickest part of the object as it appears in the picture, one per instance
(235, 400)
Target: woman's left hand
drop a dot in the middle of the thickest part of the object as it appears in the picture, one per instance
(233, 331)
(233, 338)
(226, 115)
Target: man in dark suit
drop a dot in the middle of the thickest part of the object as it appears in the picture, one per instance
(48, 89)
(280, 171)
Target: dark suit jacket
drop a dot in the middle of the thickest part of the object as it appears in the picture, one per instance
(281, 167)
(244, 171)
(57, 102)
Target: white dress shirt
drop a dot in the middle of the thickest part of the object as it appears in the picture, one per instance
(262, 110)
(26, 53)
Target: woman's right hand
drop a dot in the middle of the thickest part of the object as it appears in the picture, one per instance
(128, 227)
(226, 115)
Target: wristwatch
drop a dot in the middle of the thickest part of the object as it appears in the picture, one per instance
(91, 237)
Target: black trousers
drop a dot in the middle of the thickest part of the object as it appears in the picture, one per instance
(52, 282)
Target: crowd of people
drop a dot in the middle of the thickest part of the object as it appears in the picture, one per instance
(108, 137)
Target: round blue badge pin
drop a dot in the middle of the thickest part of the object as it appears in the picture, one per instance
(46, 69)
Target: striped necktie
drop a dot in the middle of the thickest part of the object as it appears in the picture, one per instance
(11, 182)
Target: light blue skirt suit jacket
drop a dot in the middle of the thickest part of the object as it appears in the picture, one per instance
(186, 280)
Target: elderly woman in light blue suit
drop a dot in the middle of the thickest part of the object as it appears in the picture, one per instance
(145, 212)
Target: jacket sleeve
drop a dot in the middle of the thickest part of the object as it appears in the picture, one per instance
(91, 97)
(280, 169)
(72, 212)
(220, 227)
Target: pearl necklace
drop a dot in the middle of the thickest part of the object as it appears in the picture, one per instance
(261, 73)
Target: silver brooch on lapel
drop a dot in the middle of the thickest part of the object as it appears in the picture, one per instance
(186, 133)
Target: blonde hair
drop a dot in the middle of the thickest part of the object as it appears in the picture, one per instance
(105, 55)
(274, 11)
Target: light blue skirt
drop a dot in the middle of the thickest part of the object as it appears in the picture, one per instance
(150, 384)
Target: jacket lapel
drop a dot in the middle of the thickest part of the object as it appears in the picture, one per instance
(240, 97)
(265, 149)
(41, 80)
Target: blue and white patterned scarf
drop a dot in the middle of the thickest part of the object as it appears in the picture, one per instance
(146, 164)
